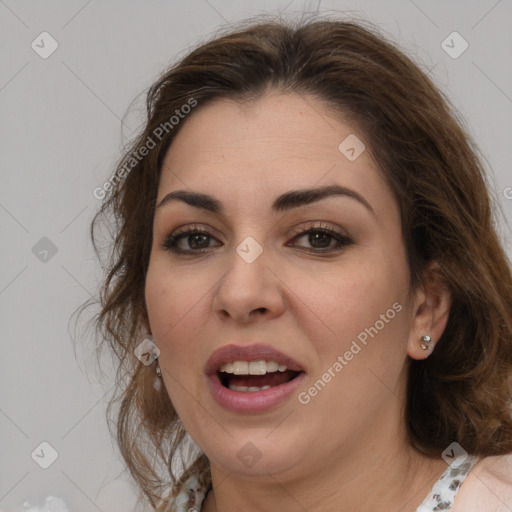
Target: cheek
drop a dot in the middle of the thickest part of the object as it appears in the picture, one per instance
(362, 317)
(336, 306)
(177, 307)
(174, 303)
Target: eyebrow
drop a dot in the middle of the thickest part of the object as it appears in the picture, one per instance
(287, 201)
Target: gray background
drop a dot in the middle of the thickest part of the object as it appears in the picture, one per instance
(61, 135)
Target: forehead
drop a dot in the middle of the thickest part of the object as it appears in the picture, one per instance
(283, 125)
(269, 145)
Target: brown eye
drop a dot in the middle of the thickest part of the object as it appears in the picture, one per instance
(188, 241)
(319, 239)
(322, 239)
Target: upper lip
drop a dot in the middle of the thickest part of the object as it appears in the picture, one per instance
(256, 352)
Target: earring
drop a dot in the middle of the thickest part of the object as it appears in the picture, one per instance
(426, 339)
(157, 380)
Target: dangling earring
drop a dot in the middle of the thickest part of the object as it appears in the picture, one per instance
(157, 382)
(426, 339)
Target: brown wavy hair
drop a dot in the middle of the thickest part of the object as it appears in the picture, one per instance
(462, 392)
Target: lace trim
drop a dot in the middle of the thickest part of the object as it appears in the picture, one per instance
(192, 493)
(445, 489)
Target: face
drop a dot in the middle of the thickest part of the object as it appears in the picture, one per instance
(315, 282)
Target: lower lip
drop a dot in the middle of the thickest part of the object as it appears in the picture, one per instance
(255, 401)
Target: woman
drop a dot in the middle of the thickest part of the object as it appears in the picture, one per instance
(303, 229)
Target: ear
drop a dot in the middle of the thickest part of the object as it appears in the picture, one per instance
(431, 309)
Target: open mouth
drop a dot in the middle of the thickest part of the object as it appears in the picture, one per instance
(252, 379)
(252, 376)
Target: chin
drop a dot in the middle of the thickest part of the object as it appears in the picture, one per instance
(256, 453)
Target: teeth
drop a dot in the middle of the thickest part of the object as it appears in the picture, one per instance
(272, 366)
(241, 368)
(228, 368)
(252, 368)
(257, 368)
(245, 389)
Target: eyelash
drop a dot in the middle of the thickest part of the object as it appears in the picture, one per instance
(342, 240)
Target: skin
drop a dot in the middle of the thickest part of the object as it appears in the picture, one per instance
(350, 437)
(488, 486)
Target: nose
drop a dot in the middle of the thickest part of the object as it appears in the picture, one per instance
(248, 291)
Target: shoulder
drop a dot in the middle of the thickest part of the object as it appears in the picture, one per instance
(488, 487)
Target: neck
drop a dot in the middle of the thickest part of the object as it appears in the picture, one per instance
(365, 480)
